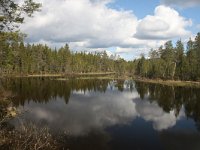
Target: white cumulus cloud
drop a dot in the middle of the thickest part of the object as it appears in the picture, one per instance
(92, 24)
(166, 23)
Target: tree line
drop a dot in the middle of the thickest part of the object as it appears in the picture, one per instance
(18, 58)
(168, 62)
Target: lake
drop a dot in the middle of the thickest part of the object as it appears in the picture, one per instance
(110, 114)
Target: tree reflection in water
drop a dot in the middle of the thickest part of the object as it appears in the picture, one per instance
(41, 90)
(173, 98)
(88, 107)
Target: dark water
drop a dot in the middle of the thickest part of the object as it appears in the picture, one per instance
(111, 115)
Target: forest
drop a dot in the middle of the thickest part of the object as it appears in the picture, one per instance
(167, 62)
(16, 57)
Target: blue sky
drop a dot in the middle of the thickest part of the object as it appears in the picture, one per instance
(139, 7)
(193, 13)
(124, 27)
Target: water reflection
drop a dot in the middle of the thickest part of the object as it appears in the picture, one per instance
(100, 109)
(101, 102)
(184, 140)
(41, 90)
(171, 98)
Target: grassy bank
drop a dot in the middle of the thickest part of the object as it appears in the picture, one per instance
(110, 76)
(60, 74)
(90, 75)
(170, 82)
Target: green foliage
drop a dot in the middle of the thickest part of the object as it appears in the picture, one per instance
(17, 58)
(12, 14)
(170, 62)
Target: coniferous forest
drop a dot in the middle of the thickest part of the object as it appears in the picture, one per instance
(177, 62)
(172, 62)
(20, 58)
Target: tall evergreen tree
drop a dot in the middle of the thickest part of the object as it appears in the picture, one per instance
(179, 58)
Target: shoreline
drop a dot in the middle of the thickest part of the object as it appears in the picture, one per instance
(170, 82)
(66, 76)
(58, 75)
(111, 76)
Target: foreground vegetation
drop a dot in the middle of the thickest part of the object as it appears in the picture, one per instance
(27, 135)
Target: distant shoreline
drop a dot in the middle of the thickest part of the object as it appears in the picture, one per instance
(60, 74)
(170, 82)
(110, 75)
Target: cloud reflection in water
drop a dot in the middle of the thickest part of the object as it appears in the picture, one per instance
(94, 110)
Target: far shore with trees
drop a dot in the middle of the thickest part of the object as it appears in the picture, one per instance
(19, 59)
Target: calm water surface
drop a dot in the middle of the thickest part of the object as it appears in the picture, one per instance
(111, 114)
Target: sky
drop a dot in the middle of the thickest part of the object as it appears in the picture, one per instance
(128, 28)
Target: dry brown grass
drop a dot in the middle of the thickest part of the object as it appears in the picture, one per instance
(27, 137)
